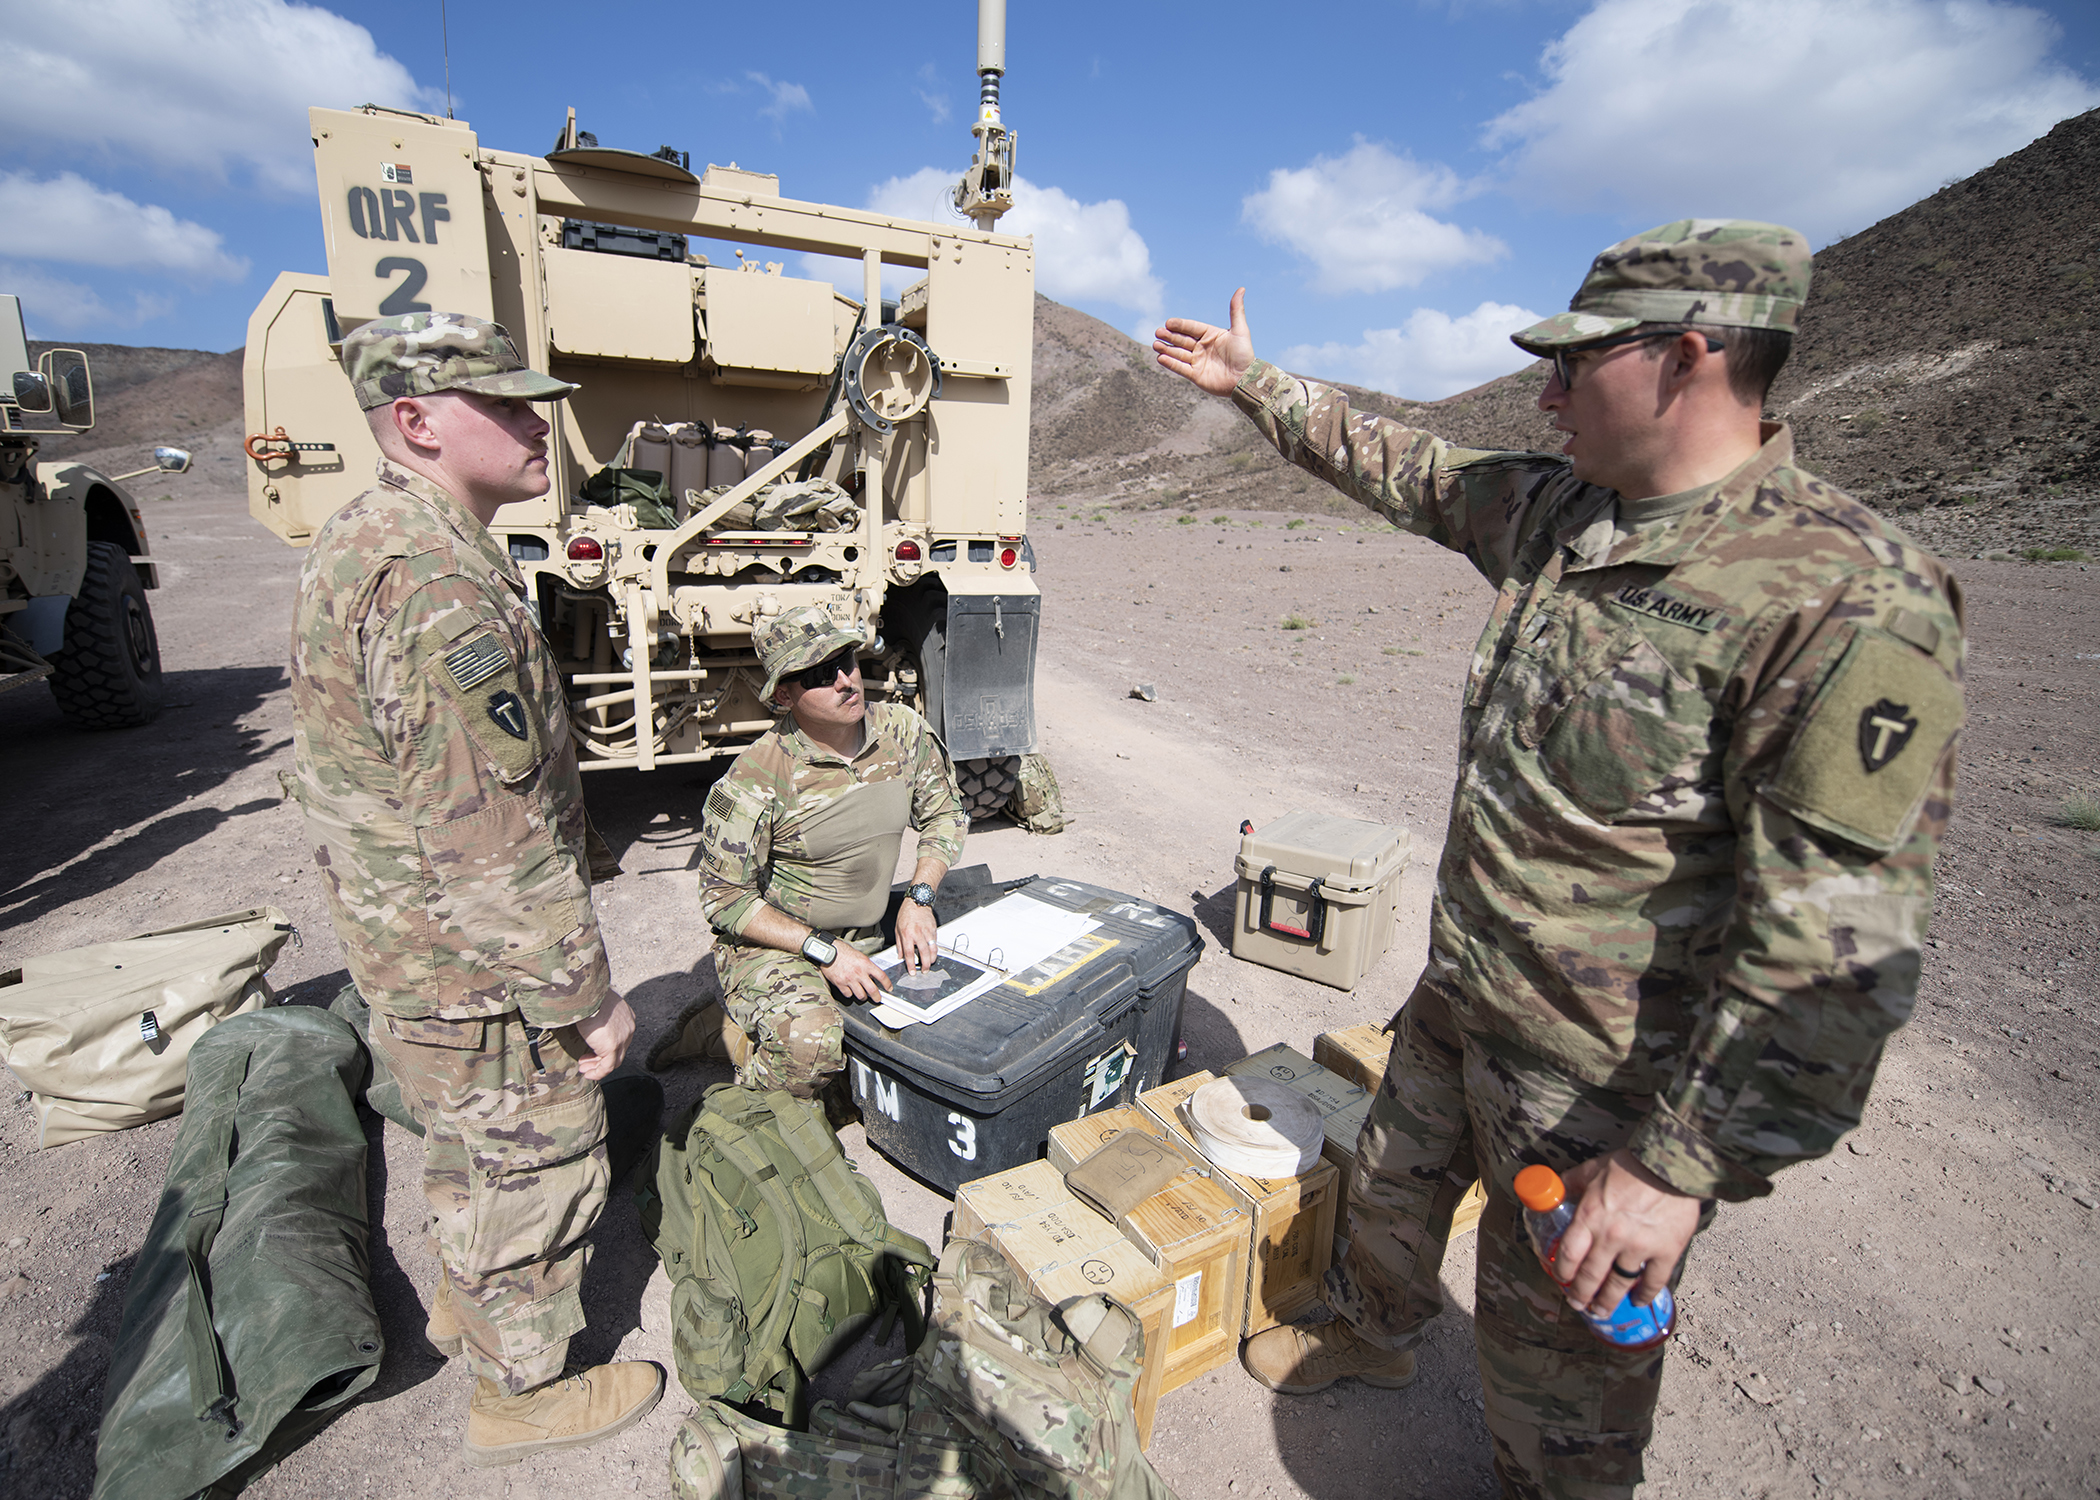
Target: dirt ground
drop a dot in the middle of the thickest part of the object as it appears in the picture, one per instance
(1914, 1317)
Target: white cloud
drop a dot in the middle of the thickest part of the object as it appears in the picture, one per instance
(70, 220)
(1434, 355)
(54, 308)
(213, 87)
(787, 97)
(1084, 252)
(1363, 219)
(1826, 117)
(929, 94)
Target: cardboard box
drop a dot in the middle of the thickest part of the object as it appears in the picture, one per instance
(1342, 1103)
(1360, 1053)
(1290, 1219)
(1316, 895)
(1075, 1140)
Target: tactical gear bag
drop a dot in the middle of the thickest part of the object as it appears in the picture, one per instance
(382, 1090)
(101, 1035)
(1037, 804)
(1005, 1399)
(641, 488)
(778, 1250)
(248, 1323)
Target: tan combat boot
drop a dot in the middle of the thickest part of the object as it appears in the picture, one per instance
(570, 1413)
(702, 1033)
(442, 1331)
(1299, 1361)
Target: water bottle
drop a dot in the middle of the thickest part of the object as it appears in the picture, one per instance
(1547, 1214)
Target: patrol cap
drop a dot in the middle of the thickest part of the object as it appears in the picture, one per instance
(1734, 273)
(419, 353)
(796, 639)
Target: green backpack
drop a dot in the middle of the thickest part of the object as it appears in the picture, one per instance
(778, 1250)
(1005, 1399)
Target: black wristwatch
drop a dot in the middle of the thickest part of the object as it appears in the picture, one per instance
(920, 892)
(819, 950)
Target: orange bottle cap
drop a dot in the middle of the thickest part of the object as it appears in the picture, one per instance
(1539, 1189)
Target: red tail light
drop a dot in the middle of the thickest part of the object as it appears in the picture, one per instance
(1008, 557)
(907, 552)
(585, 549)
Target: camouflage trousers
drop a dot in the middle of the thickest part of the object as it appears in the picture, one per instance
(515, 1173)
(781, 1000)
(1569, 1414)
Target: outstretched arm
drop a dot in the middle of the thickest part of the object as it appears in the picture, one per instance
(1212, 359)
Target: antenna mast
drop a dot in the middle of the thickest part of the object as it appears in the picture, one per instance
(987, 189)
(445, 33)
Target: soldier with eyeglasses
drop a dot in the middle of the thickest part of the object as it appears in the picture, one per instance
(1706, 757)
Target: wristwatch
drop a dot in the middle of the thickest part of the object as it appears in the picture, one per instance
(921, 892)
(819, 950)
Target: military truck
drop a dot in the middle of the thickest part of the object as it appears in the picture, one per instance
(74, 562)
(746, 439)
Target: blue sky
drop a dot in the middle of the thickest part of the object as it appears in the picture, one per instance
(1398, 185)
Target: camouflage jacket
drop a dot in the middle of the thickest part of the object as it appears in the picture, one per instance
(781, 829)
(435, 766)
(1704, 769)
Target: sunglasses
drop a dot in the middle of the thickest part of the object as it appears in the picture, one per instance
(1563, 359)
(824, 673)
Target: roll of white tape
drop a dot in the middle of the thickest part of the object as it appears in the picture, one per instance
(1256, 1126)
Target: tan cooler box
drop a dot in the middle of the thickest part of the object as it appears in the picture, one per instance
(1316, 895)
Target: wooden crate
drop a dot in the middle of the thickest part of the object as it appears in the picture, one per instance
(1070, 1251)
(1194, 1233)
(1290, 1219)
(1198, 1239)
(1360, 1053)
(1342, 1102)
(1357, 1053)
(1075, 1140)
(1005, 1196)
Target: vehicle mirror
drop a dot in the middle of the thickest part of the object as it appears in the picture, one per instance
(32, 391)
(71, 387)
(172, 460)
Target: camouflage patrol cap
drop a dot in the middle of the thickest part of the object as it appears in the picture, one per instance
(796, 639)
(1734, 273)
(416, 354)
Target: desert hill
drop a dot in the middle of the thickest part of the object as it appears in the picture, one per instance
(147, 396)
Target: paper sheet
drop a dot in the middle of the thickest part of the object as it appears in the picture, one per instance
(1012, 934)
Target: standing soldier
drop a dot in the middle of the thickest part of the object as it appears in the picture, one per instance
(442, 795)
(1707, 754)
(798, 848)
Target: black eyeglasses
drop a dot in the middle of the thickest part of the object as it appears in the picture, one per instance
(825, 673)
(1565, 371)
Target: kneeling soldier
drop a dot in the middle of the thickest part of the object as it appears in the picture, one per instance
(798, 848)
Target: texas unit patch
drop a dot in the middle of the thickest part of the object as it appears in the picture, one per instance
(1884, 729)
(1853, 769)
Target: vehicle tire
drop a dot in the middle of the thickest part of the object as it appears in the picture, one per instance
(988, 785)
(107, 675)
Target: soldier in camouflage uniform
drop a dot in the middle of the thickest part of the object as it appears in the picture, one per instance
(799, 844)
(442, 794)
(1707, 756)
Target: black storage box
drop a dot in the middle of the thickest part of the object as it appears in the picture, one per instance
(618, 239)
(977, 1091)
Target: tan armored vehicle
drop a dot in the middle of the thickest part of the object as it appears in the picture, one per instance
(74, 566)
(745, 440)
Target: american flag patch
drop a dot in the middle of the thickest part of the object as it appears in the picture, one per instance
(474, 662)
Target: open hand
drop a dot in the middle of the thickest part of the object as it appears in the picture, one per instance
(1212, 359)
(855, 975)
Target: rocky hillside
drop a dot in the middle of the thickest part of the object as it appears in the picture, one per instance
(1942, 373)
(145, 397)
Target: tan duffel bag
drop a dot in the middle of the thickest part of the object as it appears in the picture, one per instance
(101, 1036)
